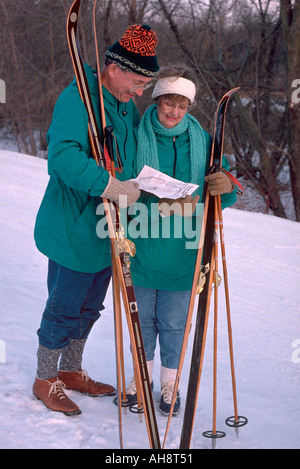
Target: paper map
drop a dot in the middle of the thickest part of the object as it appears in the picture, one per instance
(163, 186)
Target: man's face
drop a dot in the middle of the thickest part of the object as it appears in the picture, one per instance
(125, 84)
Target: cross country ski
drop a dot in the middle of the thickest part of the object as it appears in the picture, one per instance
(120, 247)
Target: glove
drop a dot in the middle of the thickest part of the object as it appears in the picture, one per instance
(127, 190)
(184, 206)
(219, 183)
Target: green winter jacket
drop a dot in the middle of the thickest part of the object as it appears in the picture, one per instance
(166, 261)
(65, 229)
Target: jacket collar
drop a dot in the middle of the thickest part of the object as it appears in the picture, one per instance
(93, 85)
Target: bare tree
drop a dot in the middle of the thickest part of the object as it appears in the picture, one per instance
(240, 44)
(290, 15)
(228, 44)
(23, 121)
(34, 50)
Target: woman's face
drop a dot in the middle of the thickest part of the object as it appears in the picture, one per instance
(170, 110)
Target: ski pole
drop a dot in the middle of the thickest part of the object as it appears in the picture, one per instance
(109, 156)
(121, 248)
(215, 321)
(214, 433)
(236, 420)
(190, 312)
(108, 151)
(117, 312)
(138, 407)
(120, 350)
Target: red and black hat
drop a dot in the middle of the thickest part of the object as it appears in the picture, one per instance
(135, 51)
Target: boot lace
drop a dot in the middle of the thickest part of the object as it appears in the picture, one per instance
(84, 375)
(167, 392)
(131, 389)
(57, 388)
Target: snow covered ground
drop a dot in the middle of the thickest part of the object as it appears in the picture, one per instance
(263, 257)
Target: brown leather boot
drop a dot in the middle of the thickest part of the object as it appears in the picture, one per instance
(80, 381)
(51, 393)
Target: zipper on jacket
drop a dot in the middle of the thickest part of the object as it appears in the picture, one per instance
(175, 156)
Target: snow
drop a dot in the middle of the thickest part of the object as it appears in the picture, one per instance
(263, 258)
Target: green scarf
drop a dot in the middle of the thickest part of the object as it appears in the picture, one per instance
(147, 146)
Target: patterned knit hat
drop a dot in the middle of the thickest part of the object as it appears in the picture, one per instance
(135, 51)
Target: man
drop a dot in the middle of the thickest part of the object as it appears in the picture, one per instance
(79, 261)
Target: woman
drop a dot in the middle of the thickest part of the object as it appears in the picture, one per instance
(172, 141)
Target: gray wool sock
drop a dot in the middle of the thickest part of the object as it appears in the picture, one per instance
(71, 357)
(47, 361)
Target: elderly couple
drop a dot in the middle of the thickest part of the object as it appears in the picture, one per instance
(167, 138)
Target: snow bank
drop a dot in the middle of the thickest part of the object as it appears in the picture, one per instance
(263, 257)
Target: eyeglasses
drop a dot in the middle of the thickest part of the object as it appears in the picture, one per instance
(134, 88)
(172, 105)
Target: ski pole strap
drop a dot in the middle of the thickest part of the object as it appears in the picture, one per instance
(108, 149)
(237, 185)
(109, 152)
(120, 165)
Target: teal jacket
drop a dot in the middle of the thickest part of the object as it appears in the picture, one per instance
(65, 229)
(166, 261)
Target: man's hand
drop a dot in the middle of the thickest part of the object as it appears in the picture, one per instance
(123, 193)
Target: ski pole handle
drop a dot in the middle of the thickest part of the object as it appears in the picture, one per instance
(108, 140)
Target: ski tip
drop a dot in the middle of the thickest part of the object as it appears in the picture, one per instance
(234, 90)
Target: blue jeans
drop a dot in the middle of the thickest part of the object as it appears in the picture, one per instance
(73, 305)
(163, 313)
